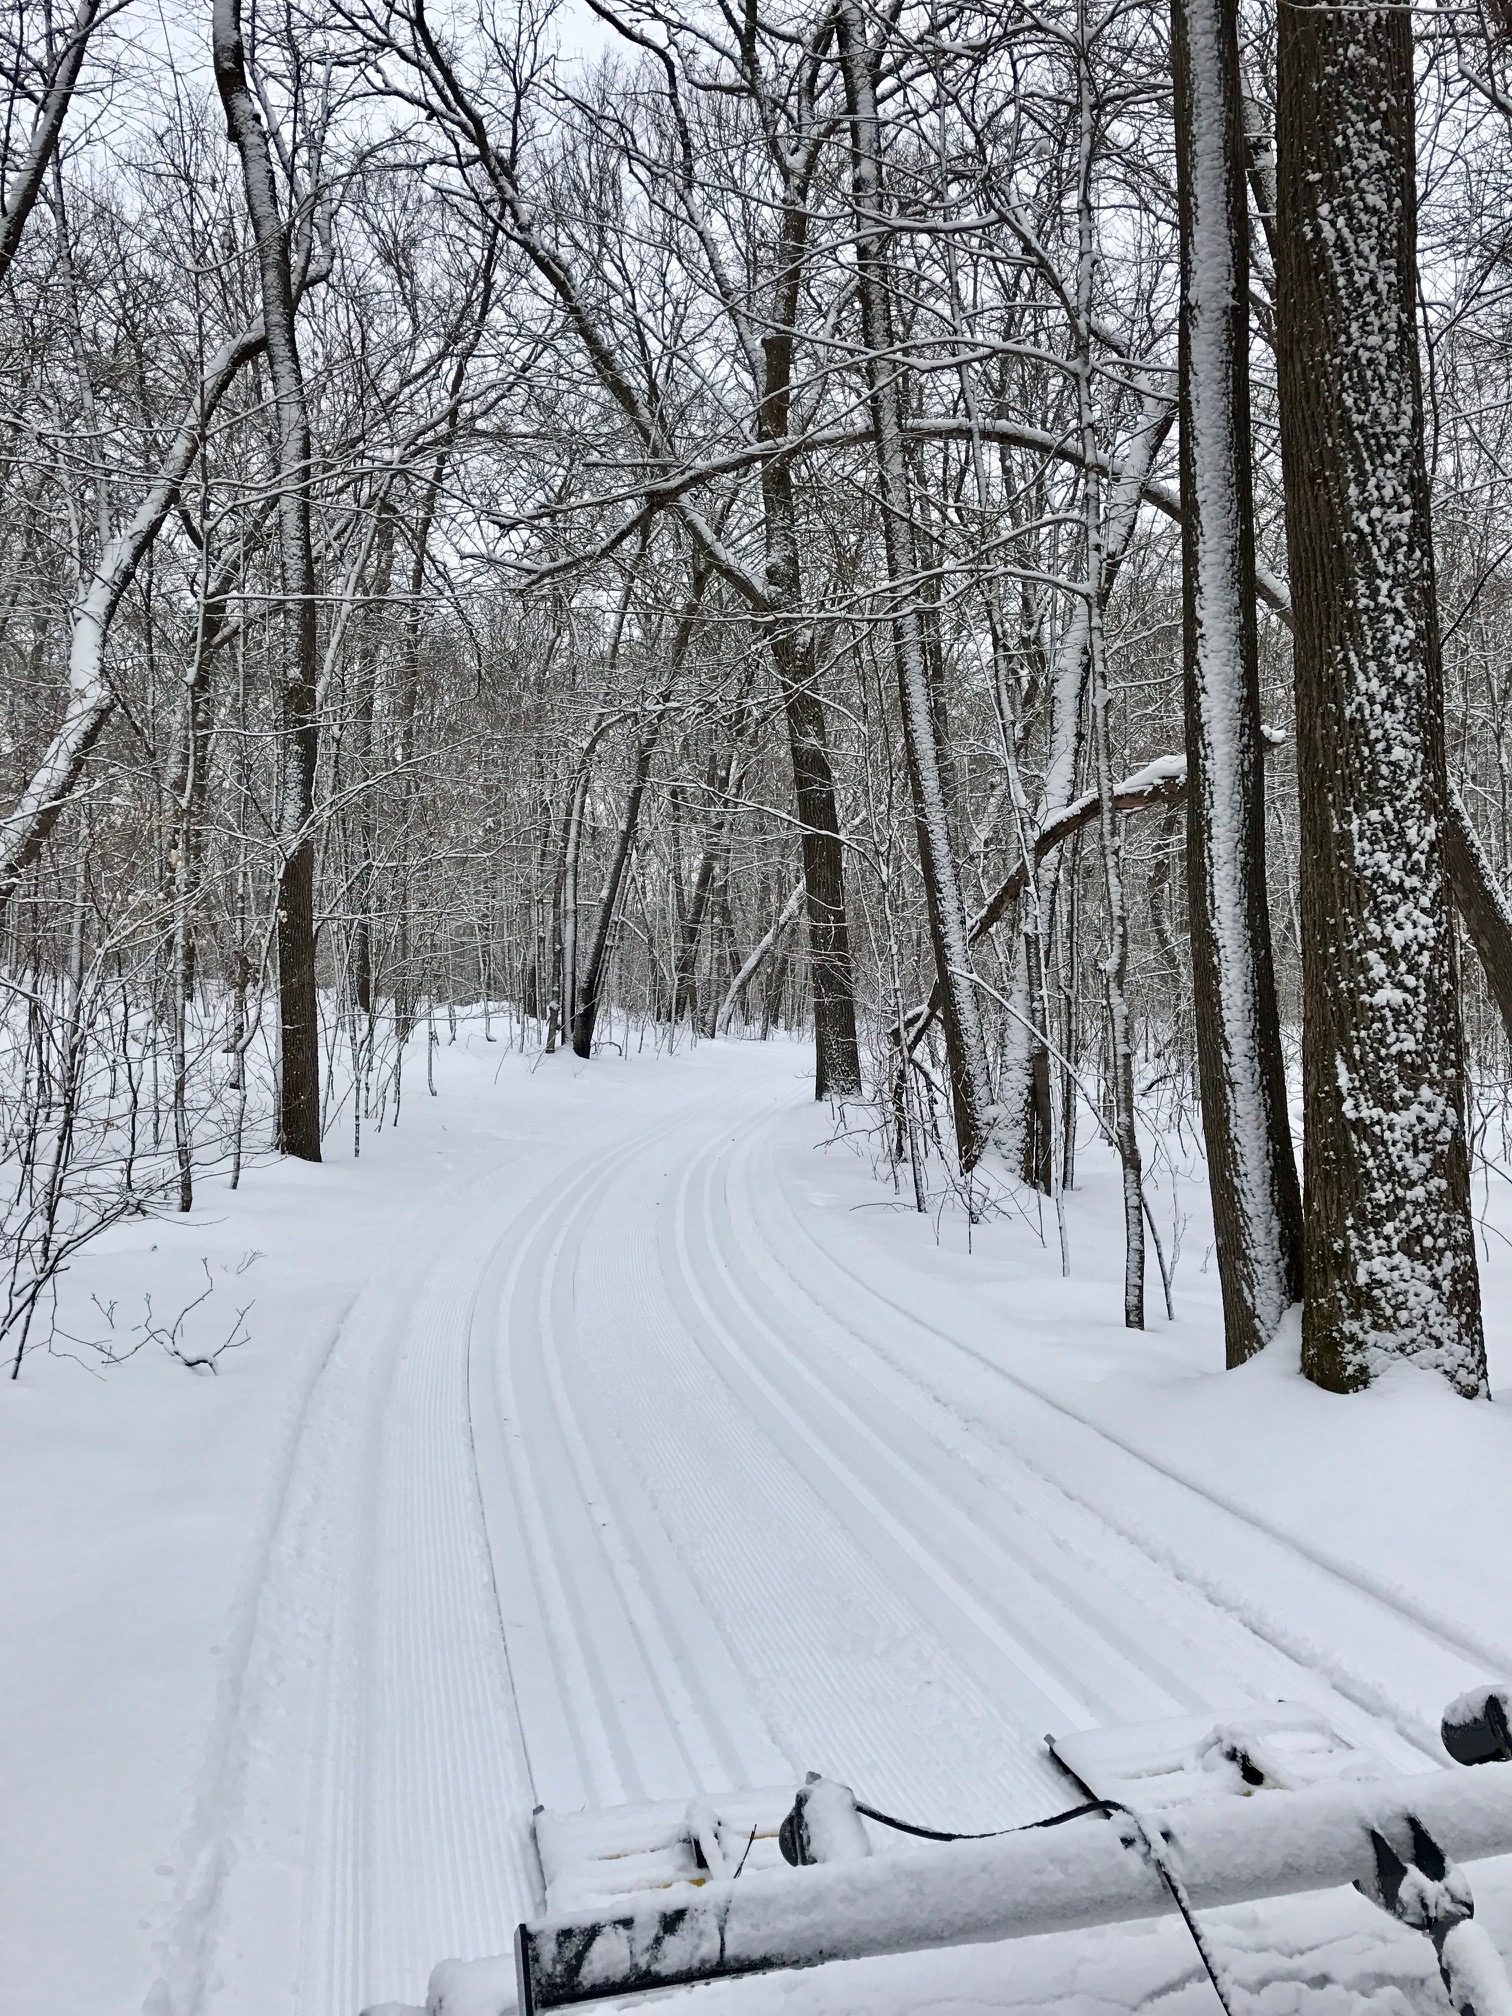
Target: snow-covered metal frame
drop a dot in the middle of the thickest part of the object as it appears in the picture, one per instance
(1095, 1870)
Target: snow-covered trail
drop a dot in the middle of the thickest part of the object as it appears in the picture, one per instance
(631, 1474)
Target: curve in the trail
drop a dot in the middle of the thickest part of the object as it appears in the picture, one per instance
(645, 1492)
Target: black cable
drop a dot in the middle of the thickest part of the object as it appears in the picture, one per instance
(993, 1833)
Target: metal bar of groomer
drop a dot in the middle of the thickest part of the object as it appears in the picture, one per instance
(1090, 1872)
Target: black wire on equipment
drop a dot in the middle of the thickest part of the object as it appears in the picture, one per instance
(993, 1833)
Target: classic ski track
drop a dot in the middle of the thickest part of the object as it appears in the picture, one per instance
(278, 1804)
(788, 1583)
(719, 1314)
(627, 1687)
(370, 1787)
(599, 1614)
(441, 1728)
(415, 1841)
(1471, 1657)
(1053, 1605)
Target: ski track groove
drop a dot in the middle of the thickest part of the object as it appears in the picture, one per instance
(667, 1610)
(608, 1591)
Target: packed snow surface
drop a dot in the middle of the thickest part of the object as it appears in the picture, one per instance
(613, 1433)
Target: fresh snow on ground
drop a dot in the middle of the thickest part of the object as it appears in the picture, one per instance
(611, 1432)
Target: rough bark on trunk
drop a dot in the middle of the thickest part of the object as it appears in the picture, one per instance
(1252, 1172)
(299, 1073)
(1389, 1248)
(966, 1050)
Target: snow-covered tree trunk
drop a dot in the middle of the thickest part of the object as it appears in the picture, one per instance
(1252, 1173)
(299, 1076)
(966, 1049)
(790, 641)
(1389, 1249)
(837, 1057)
(1110, 831)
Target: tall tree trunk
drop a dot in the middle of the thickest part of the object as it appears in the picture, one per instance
(370, 631)
(299, 1080)
(1115, 966)
(1389, 1247)
(966, 1049)
(837, 1056)
(790, 641)
(1252, 1172)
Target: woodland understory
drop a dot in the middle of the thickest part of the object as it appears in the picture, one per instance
(983, 534)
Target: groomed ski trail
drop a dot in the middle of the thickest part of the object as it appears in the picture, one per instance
(618, 1483)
